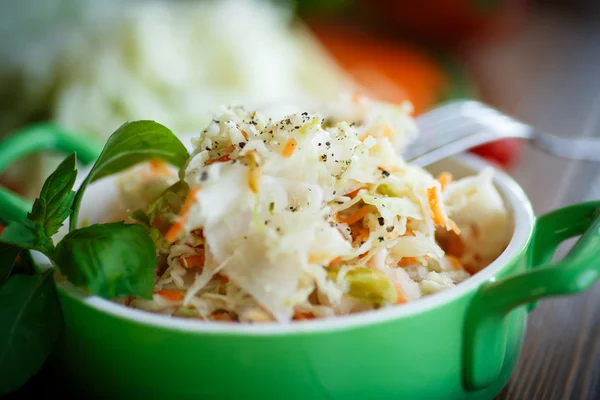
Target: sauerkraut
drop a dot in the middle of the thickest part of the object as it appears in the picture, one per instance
(309, 216)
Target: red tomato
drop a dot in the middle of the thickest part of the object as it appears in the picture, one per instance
(503, 152)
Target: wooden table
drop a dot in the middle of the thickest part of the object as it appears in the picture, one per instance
(549, 76)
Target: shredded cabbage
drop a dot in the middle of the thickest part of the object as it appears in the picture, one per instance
(316, 215)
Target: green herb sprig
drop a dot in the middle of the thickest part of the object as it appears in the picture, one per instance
(110, 260)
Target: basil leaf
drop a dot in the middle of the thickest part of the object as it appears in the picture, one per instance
(110, 260)
(141, 217)
(30, 323)
(53, 206)
(133, 143)
(8, 257)
(27, 234)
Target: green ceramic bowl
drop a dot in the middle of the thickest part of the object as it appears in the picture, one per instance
(458, 344)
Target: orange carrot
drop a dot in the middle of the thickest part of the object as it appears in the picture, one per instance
(408, 261)
(195, 261)
(401, 296)
(220, 159)
(354, 217)
(335, 260)
(245, 134)
(221, 317)
(176, 228)
(224, 157)
(353, 193)
(159, 167)
(444, 179)
(358, 232)
(289, 148)
(434, 204)
(172, 295)
(301, 316)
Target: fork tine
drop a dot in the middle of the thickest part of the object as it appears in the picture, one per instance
(458, 126)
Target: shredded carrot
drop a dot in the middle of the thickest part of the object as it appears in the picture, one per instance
(159, 167)
(224, 278)
(289, 148)
(224, 157)
(335, 260)
(353, 193)
(176, 228)
(300, 316)
(434, 204)
(245, 134)
(444, 179)
(364, 234)
(401, 296)
(220, 159)
(195, 261)
(173, 295)
(358, 232)
(221, 317)
(408, 261)
(363, 255)
(454, 262)
(354, 217)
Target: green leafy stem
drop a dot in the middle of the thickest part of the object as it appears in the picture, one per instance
(110, 260)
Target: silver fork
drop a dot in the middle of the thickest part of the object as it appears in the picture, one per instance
(458, 126)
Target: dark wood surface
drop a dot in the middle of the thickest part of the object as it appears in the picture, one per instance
(549, 76)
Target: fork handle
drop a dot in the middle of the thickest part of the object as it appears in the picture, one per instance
(585, 148)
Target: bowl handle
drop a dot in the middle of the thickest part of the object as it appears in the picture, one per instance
(31, 139)
(486, 324)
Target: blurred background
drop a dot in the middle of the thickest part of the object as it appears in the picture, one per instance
(89, 66)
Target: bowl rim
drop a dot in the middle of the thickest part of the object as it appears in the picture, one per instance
(524, 220)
